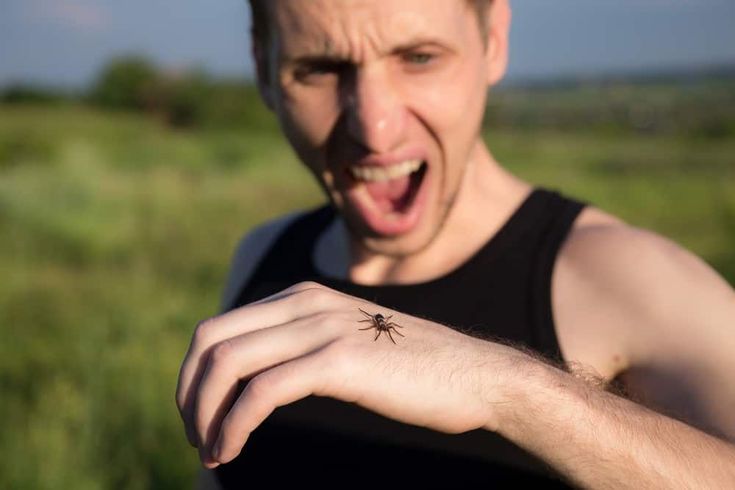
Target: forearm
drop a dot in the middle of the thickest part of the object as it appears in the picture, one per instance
(599, 440)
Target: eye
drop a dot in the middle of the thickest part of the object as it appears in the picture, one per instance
(313, 70)
(418, 58)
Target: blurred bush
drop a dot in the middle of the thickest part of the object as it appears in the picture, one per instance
(682, 105)
(183, 99)
(126, 83)
(24, 147)
(29, 94)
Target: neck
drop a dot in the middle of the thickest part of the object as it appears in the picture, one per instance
(488, 196)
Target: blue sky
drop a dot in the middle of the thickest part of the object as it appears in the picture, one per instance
(65, 42)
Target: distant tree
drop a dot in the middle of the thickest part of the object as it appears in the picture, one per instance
(27, 94)
(129, 82)
(236, 103)
(184, 97)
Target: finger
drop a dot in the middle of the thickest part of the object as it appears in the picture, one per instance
(281, 385)
(247, 355)
(296, 288)
(209, 333)
(297, 301)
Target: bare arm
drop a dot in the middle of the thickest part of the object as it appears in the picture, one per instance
(599, 440)
(679, 432)
(249, 252)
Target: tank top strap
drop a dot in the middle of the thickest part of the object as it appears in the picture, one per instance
(287, 259)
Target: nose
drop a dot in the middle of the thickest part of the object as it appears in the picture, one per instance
(374, 111)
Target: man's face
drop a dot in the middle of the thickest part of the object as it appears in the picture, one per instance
(383, 101)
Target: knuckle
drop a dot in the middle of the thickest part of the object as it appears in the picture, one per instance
(259, 386)
(314, 296)
(203, 331)
(222, 352)
(306, 285)
(321, 295)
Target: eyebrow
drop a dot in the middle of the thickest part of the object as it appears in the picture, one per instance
(328, 53)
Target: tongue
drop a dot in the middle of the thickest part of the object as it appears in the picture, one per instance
(390, 195)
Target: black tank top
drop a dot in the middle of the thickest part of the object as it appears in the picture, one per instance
(502, 291)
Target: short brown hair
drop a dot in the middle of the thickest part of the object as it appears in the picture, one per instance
(260, 30)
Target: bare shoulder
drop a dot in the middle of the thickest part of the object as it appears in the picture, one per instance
(579, 314)
(646, 267)
(656, 279)
(635, 305)
(250, 250)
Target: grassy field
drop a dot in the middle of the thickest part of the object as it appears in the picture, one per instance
(116, 233)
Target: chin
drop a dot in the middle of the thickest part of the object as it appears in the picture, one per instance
(398, 246)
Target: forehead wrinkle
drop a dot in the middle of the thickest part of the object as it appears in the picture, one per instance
(306, 28)
(343, 40)
(348, 29)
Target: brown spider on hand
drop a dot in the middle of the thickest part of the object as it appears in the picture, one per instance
(381, 324)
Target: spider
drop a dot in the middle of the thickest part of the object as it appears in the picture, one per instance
(381, 324)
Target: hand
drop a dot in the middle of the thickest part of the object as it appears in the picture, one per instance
(305, 341)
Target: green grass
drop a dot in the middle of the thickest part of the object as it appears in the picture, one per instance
(681, 188)
(116, 234)
(116, 237)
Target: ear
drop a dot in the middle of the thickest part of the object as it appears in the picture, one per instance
(498, 30)
(263, 72)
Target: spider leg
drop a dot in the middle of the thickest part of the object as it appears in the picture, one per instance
(377, 335)
(365, 320)
(389, 335)
(389, 317)
(368, 314)
(393, 324)
(399, 333)
(366, 328)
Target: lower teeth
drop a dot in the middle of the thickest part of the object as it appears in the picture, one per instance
(415, 182)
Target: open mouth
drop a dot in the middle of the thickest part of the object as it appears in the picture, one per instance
(392, 190)
(389, 198)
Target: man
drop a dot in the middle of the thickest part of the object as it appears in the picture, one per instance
(383, 102)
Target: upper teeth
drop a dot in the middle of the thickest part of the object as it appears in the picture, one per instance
(376, 173)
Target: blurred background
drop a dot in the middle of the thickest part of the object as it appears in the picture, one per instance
(134, 153)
